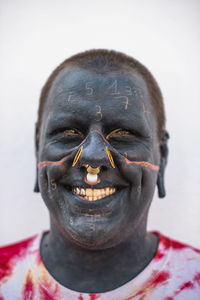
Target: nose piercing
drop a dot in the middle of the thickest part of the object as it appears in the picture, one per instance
(110, 158)
(78, 154)
(92, 175)
(93, 171)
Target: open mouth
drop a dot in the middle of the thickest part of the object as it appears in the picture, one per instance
(93, 194)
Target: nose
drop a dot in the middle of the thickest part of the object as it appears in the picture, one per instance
(95, 152)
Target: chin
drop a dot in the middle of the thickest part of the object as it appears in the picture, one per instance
(95, 224)
(92, 224)
(93, 232)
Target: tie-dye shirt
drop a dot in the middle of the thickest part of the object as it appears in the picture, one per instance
(173, 274)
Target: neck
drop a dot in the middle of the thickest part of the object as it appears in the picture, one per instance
(90, 271)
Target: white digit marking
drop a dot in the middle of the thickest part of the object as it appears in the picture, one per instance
(126, 101)
(128, 90)
(114, 87)
(99, 113)
(89, 89)
(70, 96)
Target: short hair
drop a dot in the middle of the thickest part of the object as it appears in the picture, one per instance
(101, 60)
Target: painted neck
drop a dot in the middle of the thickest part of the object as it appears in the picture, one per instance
(68, 263)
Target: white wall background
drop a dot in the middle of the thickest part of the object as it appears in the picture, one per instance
(35, 36)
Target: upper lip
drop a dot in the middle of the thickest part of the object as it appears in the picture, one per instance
(77, 181)
(97, 186)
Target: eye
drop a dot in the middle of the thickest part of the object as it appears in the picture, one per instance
(119, 133)
(72, 132)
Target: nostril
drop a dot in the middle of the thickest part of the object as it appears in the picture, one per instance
(83, 169)
(103, 168)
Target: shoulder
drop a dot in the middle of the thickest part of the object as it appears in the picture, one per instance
(12, 254)
(181, 265)
(178, 248)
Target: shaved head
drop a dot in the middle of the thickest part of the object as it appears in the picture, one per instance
(103, 62)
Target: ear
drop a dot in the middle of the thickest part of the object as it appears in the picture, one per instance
(163, 163)
(36, 187)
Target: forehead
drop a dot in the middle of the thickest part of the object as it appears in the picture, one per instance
(74, 80)
(110, 95)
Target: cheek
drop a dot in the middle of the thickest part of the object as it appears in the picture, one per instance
(149, 179)
(142, 179)
(48, 184)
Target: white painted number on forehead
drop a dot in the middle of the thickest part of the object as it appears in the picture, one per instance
(89, 90)
(125, 98)
(69, 97)
(128, 90)
(114, 88)
(98, 113)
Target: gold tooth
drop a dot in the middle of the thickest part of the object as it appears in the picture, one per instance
(94, 194)
(99, 192)
(107, 191)
(88, 192)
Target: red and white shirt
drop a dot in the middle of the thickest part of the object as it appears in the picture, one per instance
(173, 274)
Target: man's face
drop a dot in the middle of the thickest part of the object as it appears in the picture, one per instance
(96, 112)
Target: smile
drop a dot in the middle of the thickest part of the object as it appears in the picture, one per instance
(93, 194)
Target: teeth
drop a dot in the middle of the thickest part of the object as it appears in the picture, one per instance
(94, 194)
(83, 192)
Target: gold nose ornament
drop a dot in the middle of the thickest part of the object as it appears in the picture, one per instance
(77, 156)
(110, 158)
(92, 173)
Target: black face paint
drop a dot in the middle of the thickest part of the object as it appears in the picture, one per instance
(98, 111)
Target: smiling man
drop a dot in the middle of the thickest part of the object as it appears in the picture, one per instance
(101, 148)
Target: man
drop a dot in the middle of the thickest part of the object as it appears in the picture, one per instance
(101, 148)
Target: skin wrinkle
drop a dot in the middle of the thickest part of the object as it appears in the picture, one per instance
(127, 161)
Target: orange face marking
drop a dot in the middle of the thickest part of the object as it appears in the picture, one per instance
(143, 164)
(47, 163)
(127, 161)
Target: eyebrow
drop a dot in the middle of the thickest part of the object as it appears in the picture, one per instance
(62, 123)
(137, 124)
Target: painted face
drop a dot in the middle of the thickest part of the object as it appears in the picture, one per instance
(102, 122)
